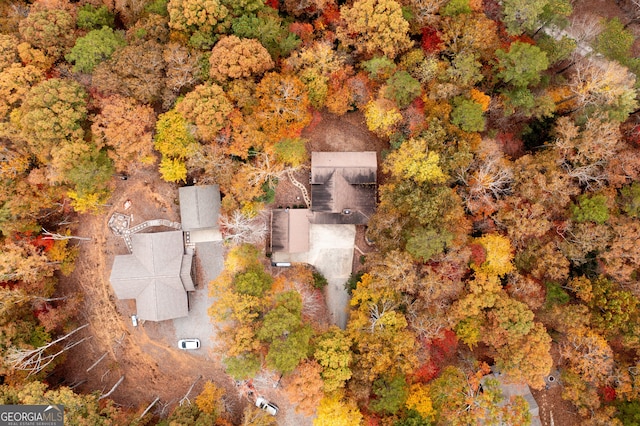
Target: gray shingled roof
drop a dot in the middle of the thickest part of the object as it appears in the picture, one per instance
(199, 207)
(157, 274)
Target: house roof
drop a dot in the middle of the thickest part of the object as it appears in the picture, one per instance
(343, 187)
(354, 167)
(511, 389)
(290, 230)
(157, 274)
(199, 207)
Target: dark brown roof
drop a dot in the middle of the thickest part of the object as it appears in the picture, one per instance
(157, 274)
(343, 187)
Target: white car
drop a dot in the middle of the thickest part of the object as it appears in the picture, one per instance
(189, 344)
(267, 406)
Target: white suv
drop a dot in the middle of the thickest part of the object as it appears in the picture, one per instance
(189, 344)
(267, 406)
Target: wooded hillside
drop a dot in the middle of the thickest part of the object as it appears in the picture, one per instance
(507, 230)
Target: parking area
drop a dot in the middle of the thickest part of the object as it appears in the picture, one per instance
(209, 264)
(331, 252)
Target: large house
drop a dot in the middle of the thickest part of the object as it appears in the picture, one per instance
(343, 192)
(158, 273)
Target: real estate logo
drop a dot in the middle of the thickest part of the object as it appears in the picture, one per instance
(31, 415)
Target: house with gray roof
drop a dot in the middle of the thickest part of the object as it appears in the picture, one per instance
(157, 274)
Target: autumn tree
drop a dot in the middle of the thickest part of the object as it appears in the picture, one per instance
(175, 142)
(304, 386)
(52, 111)
(283, 105)
(126, 128)
(372, 26)
(79, 408)
(95, 47)
(207, 107)
(403, 88)
(183, 70)
(135, 71)
(15, 82)
(233, 57)
(336, 410)
(51, 30)
(199, 19)
(333, 353)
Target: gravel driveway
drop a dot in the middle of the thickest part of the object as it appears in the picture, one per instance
(210, 262)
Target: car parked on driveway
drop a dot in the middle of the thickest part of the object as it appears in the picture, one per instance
(267, 406)
(189, 343)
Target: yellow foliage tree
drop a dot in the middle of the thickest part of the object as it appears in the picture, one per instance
(334, 410)
(372, 26)
(413, 160)
(210, 399)
(420, 400)
(382, 116)
(499, 255)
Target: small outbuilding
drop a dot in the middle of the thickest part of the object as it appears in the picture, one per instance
(199, 212)
(290, 230)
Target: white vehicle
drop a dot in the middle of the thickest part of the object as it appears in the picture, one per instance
(189, 344)
(267, 406)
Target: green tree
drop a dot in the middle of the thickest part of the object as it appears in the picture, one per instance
(91, 17)
(254, 282)
(95, 47)
(425, 243)
(467, 114)
(391, 394)
(269, 29)
(630, 199)
(615, 42)
(522, 65)
(590, 208)
(291, 151)
(455, 8)
(283, 319)
(285, 353)
(522, 15)
(403, 88)
(242, 367)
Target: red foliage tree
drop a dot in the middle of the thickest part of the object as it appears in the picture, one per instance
(431, 41)
(302, 30)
